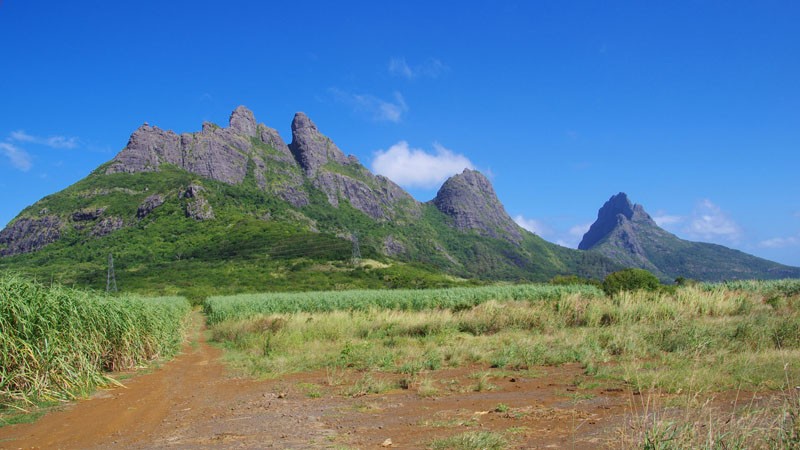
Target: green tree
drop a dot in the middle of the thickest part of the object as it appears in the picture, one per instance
(630, 280)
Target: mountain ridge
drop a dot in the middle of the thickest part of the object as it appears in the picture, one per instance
(240, 196)
(627, 234)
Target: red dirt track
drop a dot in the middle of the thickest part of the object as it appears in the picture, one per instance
(193, 401)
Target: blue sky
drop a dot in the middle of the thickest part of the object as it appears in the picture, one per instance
(692, 108)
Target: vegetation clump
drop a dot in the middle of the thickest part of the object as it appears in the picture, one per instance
(56, 342)
(630, 280)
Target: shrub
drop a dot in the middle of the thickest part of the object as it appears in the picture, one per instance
(630, 280)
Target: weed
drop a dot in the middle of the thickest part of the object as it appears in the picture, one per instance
(483, 383)
(501, 408)
(368, 384)
(427, 388)
(477, 440)
(311, 390)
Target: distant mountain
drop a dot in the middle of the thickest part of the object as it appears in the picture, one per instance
(625, 233)
(236, 208)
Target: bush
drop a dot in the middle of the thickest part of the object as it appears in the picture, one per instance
(630, 280)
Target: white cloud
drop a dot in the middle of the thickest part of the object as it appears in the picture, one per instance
(564, 237)
(378, 109)
(572, 237)
(532, 225)
(780, 242)
(579, 230)
(664, 220)
(398, 66)
(52, 141)
(414, 167)
(431, 68)
(18, 157)
(710, 222)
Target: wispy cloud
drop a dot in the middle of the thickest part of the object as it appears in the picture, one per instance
(414, 167)
(579, 230)
(780, 242)
(430, 68)
(573, 235)
(709, 222)
(532, 225)
(665, 220)
(52, 141)
(565, 237)
(378, 109)
(18, 157)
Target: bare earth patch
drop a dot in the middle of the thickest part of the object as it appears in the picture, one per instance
(194, 402)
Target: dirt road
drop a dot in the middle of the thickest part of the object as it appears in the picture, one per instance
(194, 402)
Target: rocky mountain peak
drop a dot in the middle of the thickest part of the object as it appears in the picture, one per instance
(613, 213)
(311, 148)
(243, 121)
(221, 154)
(470, 200)
(301, 121)
(627, 235)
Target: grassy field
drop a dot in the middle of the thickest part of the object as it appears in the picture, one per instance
(701, 339)
(57, 342)
(222, 308)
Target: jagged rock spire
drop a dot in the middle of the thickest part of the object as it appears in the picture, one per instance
(243, 121)
(615, 212)
(311, 148)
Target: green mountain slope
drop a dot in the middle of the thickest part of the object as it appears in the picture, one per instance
(625, 233)
(236, 209)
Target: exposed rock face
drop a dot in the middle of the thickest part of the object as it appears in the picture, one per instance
(215, 153)
(27, 234)
(87, 214)
(147, 148)
(197, 207)
(279, 164)
(243, 121)
(107, 226)
(469, 199)
(358, 193)
(193, 191)
(228, 154)
(218, 153)
(311, 148)
(617, 211)
(393, 247)
(319, 157)
(148, 205)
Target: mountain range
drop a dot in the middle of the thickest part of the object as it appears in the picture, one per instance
(229, 209)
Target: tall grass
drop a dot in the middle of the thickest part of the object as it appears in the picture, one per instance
(220, 308)
(57, 342)
(689, 338)
(787, 287)
(699, 339)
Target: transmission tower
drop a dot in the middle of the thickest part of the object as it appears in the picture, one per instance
(356, 250)
(111, 280)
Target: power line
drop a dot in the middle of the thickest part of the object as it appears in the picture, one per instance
(356, 250)
(111, 279)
